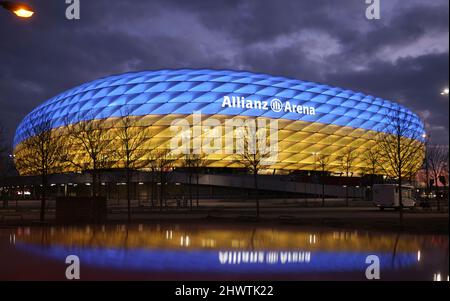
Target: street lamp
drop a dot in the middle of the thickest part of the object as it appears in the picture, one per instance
(445, 92)
(19, 9)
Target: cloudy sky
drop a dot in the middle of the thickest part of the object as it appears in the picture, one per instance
(401, 57)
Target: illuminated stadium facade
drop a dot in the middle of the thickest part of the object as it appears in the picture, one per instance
(305, 118)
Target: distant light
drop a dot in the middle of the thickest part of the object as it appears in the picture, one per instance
(418, 255)
(23, 13)
(445, 91)
(184, 241)
(19, 9)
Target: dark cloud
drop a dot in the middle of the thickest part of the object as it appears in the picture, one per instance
(415, 82)
(403, 56)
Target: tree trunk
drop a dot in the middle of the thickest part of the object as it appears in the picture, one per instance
(400, 201)
(346, 195)
(427, 174)
(255, 178)
(94, 184)
(323, 193)
(43, 196)
(161, 190)
(323, 187)
(436, 192)
(152, 189)
(197, 188)
(399, 172)
(371, 186)
(190, 190)
(128, 175)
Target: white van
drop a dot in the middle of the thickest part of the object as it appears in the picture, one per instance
(386, 196)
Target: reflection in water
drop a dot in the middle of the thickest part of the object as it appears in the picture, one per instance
(221, 250)
(199, 237)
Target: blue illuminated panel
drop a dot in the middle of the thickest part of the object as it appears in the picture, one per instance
(185, 91)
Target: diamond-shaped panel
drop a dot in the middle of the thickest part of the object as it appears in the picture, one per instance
(342, 118)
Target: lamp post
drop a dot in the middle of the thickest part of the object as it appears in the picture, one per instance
(19, 9)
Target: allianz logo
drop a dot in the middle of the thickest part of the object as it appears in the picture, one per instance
(274, 104)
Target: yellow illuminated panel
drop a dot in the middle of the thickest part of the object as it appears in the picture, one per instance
(299, 144)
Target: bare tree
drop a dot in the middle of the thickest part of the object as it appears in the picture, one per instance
(323, 161)
(401, 149)
(252, 162)
(199, 163)
(162, 163)
(130, 137)
(253, 153)
(4, 163)
(437, 158)
(427, 168)
(372, 159)
(40, 154)
(91, 147)
(346, 160)
(153, 167)
(194, 163)
(7, 166)
(3, 154)
(188, 163)
(444, 174)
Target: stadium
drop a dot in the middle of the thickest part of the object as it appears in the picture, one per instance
(175, 109)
